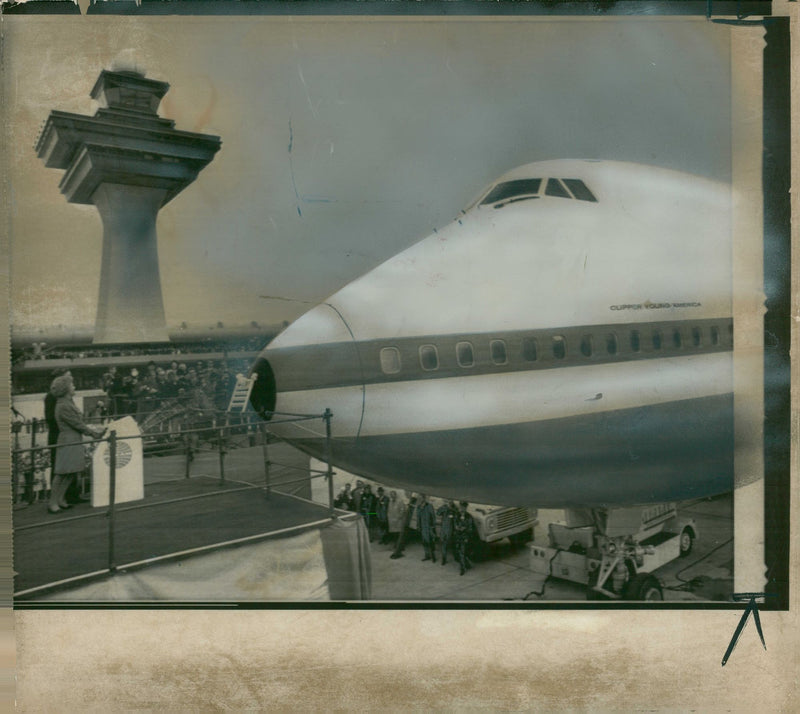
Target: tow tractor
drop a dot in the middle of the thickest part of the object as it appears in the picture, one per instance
(615, 551)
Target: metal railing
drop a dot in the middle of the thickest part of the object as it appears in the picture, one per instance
(219, 435)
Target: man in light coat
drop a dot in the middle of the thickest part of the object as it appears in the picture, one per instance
(395, 514)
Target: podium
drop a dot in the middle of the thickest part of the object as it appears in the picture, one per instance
(129, 463)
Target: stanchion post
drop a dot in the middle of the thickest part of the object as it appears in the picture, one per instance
(267, 464)
(222, 450)
(15, 427)
(29, 473)
(327, 416)
(187, 440)
(112, 493)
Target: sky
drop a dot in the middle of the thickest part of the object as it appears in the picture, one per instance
(344, 140)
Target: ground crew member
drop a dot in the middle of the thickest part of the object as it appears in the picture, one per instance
(426, 523)
(464, 531)
(447, 514)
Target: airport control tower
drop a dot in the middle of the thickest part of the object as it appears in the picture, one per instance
(128, 162)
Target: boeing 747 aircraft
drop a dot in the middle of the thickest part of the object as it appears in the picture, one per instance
(565, 342)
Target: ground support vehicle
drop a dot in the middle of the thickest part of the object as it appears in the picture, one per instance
(615, 551)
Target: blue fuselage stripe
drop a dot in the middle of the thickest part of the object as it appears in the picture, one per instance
(357, 363)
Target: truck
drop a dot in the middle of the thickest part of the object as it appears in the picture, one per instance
(613, 552)
(492, 523)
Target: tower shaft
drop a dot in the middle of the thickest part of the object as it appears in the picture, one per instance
(128, 162)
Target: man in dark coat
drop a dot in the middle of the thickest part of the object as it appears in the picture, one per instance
(426, 523)
(464, 531)
(447, 514)
(343, 499)
(382, 509)
(401, 541)
(368, 510)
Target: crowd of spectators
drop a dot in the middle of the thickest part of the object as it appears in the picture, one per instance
(202, 386)
(40, 351)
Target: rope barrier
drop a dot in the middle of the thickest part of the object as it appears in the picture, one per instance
(222, 434)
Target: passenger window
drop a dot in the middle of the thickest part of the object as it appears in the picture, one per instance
(428, 357)
(390, 360)
(656, 339)
(697, 337)
(636, 343)
(559, 347)
(529, 351)
(586, 346)
(554, 188)
(714, 335)
(611, 343)
(498, 350)
(579, 190)
(464, 354)
(676, 338)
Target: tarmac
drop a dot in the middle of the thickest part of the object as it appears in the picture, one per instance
(43, 542)
(706, 574)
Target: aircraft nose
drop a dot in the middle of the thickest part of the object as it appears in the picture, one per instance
(311, 366)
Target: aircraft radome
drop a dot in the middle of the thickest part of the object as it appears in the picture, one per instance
(566, 341)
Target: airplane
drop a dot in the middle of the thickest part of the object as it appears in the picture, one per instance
(565, 342)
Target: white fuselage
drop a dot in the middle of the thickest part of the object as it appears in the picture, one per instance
(554, 347)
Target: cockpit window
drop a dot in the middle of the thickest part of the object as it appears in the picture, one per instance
(554, 188)
(518, 188)
(579, 190)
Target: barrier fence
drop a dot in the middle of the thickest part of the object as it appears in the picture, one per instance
(219, 436)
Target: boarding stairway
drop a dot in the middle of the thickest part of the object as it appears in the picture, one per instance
(241, 393)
